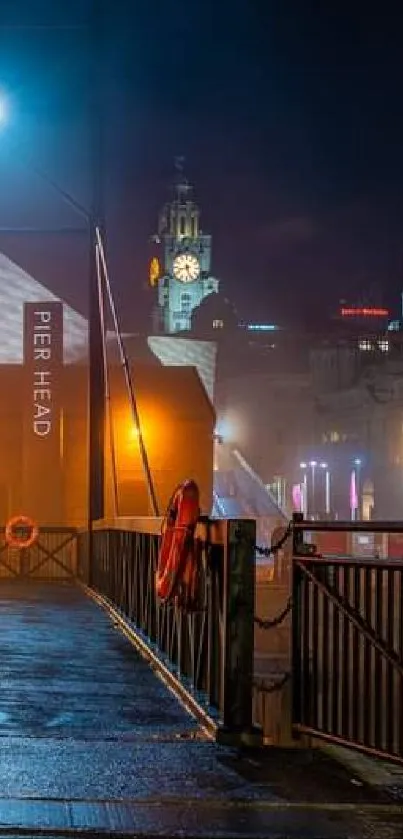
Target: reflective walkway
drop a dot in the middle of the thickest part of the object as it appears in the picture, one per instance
(90, 739)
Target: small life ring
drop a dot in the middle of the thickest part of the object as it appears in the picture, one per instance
(177, 569)
(16, 540)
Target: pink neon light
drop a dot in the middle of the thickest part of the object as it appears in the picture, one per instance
(297, 497)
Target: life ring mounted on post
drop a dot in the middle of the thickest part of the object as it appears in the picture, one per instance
(21, 532)
(179, 554)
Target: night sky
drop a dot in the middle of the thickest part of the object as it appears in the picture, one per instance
(289, 115)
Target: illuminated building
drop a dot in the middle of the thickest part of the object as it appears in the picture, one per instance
(44, 408)
(180, 269)
(16, 288)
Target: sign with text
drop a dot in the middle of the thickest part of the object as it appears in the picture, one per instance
(43, 363)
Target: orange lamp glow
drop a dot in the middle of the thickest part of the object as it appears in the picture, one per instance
(155, 272)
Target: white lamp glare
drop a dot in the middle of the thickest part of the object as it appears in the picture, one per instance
(3, 109)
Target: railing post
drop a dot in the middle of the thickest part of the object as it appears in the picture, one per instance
(238, 641)
(296, 631)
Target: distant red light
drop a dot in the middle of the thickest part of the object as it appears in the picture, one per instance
(364, 312)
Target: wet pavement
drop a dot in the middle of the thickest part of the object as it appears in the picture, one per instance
(91, 740)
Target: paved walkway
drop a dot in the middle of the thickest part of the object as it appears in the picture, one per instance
(90, 739)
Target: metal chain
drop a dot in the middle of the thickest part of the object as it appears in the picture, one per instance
(264, 687)
(270, 623)
(272, 549)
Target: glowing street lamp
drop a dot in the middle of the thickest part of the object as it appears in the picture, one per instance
(355, 489)
(327, 487)
(313, 464)
(3, 109)
(304, 491)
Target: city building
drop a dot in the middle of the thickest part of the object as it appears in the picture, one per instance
(44, 415)
(180, 268)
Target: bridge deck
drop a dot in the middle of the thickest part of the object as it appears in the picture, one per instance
(91, 739)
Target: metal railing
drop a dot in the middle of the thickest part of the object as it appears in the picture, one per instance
(207, 654)
(52, 558)
(347, 640)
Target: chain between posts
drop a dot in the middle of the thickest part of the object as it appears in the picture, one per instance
(273, 549)
(264, 686)
(270, 623)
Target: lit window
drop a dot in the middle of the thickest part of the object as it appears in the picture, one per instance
(334, 436)
(218, 324)
(365, 345)
(186, 302)
(383, 346)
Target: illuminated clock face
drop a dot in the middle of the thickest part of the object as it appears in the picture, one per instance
(186, 268)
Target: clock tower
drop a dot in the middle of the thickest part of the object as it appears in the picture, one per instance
(184, 278)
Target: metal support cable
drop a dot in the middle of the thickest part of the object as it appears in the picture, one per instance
(128, 378)
(107, 385)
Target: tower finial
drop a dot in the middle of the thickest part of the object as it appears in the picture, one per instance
(182, 185)
(180, 163)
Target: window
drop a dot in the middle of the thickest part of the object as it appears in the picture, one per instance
(218, 324)
(186, 302)
(365, 345)
(383, 345)
(182, 227)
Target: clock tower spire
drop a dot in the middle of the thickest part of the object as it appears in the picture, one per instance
(185, 278)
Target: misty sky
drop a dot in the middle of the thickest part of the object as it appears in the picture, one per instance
(289, 115)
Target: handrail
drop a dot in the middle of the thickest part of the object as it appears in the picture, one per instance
(367, 561)
(213, 531)
(349, 526)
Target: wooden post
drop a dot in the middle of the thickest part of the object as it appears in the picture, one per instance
(238, 613)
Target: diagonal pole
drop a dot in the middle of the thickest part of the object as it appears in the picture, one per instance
(108, 400)
(128, 378)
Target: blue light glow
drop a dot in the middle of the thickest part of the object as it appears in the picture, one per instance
(262, 327)
(3, 109)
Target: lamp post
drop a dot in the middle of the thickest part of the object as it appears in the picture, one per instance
(304, 493)
(356, 490)
(324, 466)
(313, 464)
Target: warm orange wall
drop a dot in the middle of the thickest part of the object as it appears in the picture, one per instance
(177, 421)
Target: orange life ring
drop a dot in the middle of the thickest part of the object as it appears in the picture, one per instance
(177, 567)
(21, 522)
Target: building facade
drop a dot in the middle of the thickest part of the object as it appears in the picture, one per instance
(180, 269)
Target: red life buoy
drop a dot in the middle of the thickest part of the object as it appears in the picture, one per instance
(15, 539)
(177, 568)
